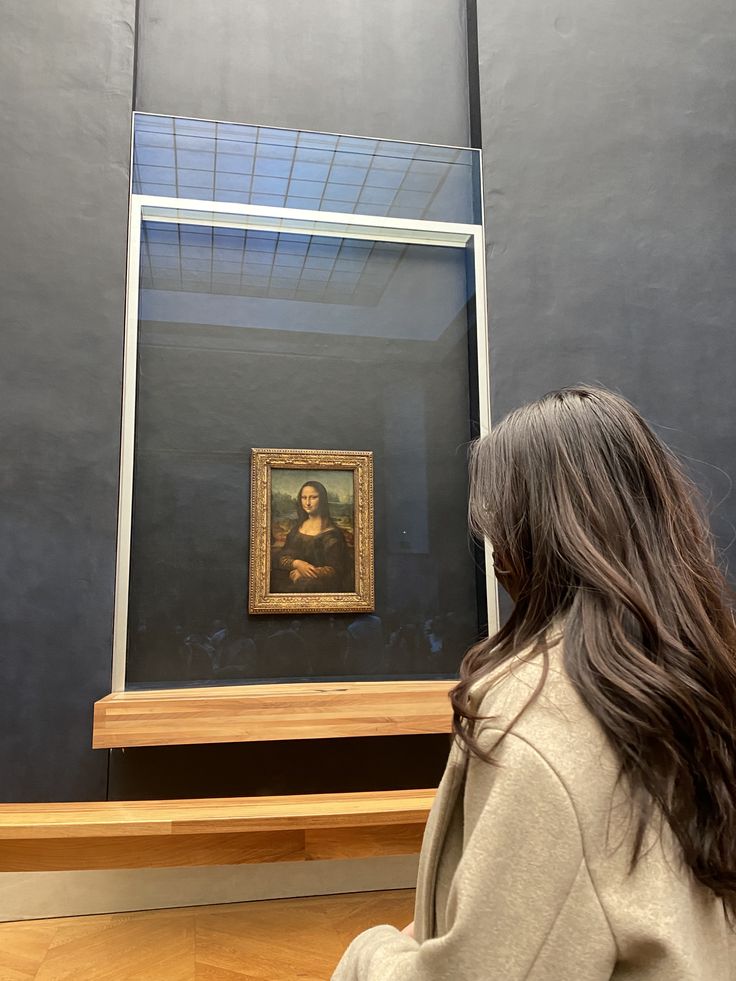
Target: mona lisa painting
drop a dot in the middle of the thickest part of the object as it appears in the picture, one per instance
(311, 531)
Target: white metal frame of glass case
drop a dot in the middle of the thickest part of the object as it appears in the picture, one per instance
(247, 216)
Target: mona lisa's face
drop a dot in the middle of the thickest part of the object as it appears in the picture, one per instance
(310, 500)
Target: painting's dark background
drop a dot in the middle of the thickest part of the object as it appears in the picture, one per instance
(608, 134)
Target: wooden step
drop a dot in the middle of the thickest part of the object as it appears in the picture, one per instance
(258, 713)
(215, 831)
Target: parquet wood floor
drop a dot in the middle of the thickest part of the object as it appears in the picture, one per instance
(278, 940)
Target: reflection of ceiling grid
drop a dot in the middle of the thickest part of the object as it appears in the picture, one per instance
(281, 168)
(288, 168)
(255, 263)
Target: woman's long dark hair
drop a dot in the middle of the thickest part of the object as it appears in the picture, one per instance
(594, 521)
(324, 505)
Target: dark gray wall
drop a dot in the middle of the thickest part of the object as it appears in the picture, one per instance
(389, 68)
(65, 102)
(609, 138)
(383, 68)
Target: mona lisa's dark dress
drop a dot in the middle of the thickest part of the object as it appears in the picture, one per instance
(327, 552)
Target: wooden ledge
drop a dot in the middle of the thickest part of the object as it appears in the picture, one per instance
(185, 716)
(171, 817)
(225, 831)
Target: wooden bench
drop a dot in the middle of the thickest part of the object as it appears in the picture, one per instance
(217, 831)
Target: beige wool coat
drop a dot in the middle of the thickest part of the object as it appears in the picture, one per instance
(525, 874)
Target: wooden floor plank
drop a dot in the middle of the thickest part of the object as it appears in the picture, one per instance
(278, 940)
(142, 948)
(23, 948)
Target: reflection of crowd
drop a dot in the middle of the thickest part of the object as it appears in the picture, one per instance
(395, 645)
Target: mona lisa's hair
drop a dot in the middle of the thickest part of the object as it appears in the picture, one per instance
(593, 519)
(323, 511)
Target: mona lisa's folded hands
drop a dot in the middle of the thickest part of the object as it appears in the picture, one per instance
(302, 570)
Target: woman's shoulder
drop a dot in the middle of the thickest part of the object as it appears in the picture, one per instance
(518, 678)
(533, 695)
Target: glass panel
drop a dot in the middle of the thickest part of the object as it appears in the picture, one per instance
(228, 162)
(252, 338)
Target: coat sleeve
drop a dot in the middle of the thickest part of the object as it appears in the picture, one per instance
(520, 903)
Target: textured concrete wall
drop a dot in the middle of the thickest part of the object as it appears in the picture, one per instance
(381, 68)
(66, 82)
(65, 100)
(609, 133)
(609, 144)
(387, 69)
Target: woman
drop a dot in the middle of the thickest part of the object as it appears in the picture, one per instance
(585, 828)
(315, 554)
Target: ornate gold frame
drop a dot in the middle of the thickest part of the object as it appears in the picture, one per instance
(260, 599)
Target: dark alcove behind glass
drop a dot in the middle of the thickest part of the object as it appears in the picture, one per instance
(259, 339)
